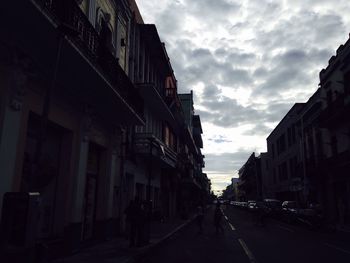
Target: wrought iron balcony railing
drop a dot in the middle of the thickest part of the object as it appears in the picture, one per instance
(91, 45)
(147, 144)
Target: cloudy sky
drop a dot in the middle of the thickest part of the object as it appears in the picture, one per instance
(248, 62)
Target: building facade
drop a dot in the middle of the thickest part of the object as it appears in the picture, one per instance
(285, 154)
(90, 118)
(334, 119)
(249, 183)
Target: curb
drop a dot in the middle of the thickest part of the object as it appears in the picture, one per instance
(145, 251)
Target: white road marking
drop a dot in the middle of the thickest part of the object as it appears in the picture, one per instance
(337, 248)
(285, 228)
(232, 227)
(226, 218)
(247, 251)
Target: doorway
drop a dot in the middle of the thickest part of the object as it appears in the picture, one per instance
(42, 172)
(91, 186)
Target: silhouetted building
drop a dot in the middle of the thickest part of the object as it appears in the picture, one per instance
(90, 118)
(312, 141)
(194, 181)
(334, 118)
(249, 184)
(283, 145)
(230, 192)
(67, 99)
(266, 179)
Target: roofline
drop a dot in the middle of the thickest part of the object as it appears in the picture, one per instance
(285, 117)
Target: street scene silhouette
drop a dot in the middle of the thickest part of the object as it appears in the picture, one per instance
(174, 131)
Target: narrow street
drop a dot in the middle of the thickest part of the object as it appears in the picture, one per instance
(245, 242)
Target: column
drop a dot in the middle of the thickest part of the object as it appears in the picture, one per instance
(13, 82)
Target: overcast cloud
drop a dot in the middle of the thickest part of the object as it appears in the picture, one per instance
(248, 62)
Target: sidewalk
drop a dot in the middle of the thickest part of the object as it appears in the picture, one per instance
(117, 249)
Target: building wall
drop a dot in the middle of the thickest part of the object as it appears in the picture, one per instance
(286, 160)
(266, 178)
(335, 100)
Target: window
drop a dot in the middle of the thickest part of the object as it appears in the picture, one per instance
(140, 191)
(334, 145)
(293, 134)
(169, 138)
(329, 98)
(282, 171)
(293, 166)
(347, 83)
(281, 144)
(289, 132)
(122, 45)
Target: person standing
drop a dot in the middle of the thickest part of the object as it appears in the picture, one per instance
(217, 219)
(199, 219)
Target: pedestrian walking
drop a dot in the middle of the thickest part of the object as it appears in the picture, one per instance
(199, 219)
(217, 219)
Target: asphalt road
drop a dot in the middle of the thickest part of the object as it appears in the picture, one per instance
(243, 242)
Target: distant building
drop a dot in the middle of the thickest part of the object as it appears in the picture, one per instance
(266, 179)
(230, 192)
(249, 182)
(284, 149)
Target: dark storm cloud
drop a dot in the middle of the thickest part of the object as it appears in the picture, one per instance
(276, 110)
(219, 139)
(202, 65)
(227, 162)
(290, 71)
(303, 30)
(258, 129)
(213, 11)
(272, 49)
(226, 112)
(240, 58)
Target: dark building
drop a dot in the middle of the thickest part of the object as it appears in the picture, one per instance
(285, 155)
(334, 119)
(249, 183)
(89, 118)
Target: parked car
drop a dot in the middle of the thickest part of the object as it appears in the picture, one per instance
(289, 211)
(311, 217)
(252, 205)
(273, 207)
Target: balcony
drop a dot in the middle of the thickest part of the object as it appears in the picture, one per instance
(150, 36)
(185, 160)
(154, 100)
(170, 93)
(146, 144)
(87, 70)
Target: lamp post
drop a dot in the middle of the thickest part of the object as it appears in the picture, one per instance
(148, 194)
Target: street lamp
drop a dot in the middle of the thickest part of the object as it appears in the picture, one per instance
(149, 180)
